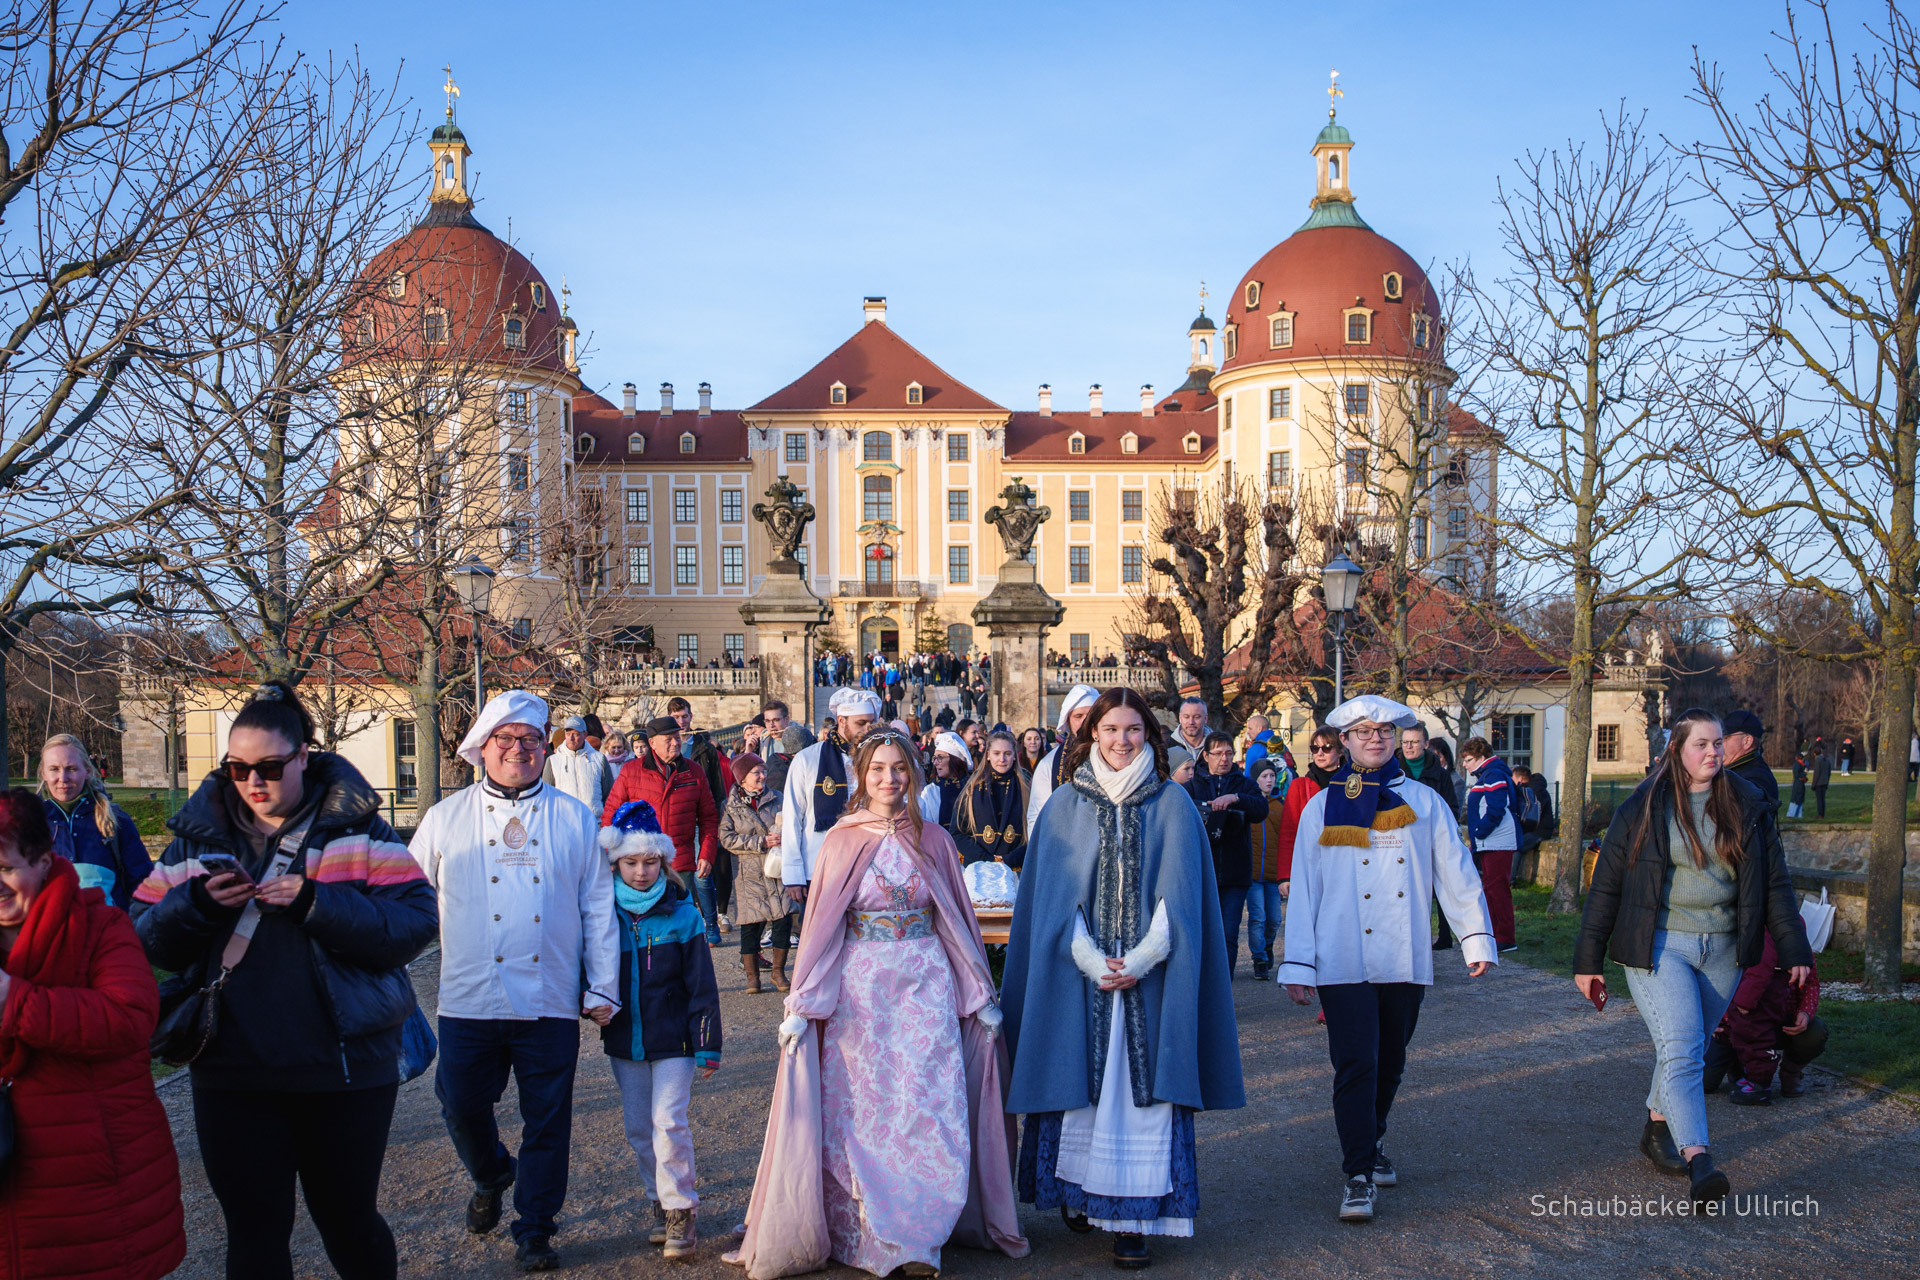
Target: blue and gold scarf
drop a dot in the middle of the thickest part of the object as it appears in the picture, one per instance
(1360, 801)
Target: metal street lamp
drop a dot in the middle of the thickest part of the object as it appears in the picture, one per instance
(474, 581)
(1340, 591)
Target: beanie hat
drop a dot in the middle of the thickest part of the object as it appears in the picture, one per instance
(635, 829)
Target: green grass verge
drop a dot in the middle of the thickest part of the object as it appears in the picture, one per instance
(1877, 1041)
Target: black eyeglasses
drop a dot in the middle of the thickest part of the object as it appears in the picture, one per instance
(269, 770)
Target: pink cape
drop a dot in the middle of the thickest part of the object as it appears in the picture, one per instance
(786, 1218)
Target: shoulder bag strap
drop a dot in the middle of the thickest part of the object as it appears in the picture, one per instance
(291, 844)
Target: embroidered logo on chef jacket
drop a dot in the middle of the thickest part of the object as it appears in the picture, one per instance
(515, 835)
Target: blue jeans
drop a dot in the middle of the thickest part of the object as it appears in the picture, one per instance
(1682, 998)
(1263, 920)
(1232, 903)
(475, 1057)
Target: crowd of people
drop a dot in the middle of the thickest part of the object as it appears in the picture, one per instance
(591, 875)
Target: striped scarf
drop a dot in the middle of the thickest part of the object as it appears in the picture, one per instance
(1360, 801)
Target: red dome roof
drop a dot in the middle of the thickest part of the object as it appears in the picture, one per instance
(450, 263)
(1319, 274)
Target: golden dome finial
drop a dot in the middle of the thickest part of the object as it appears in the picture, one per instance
(1203, 297)
(453, 91)
(1333, 94)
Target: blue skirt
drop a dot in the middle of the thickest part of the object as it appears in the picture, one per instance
(1041, 1188)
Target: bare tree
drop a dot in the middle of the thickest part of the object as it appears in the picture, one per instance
(1214, 605)
(121, 129)
(1814, 436)
(241, 384)
(1577, 352)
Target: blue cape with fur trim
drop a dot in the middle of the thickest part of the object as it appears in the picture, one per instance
(1183, 1043)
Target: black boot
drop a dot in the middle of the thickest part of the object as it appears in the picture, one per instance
(1130, 1251)
(1656, 1142)
(1708, 1183)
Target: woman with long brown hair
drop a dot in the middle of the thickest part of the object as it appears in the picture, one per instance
(887, 1138)
(990, 817)
(1689, 878)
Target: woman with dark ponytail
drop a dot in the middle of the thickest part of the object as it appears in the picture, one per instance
(1689, 879)
(285, 885)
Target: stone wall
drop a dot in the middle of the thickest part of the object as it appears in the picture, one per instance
(1824, 846)
(1834, 856)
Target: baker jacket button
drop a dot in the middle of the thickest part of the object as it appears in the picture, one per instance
(536, 959)
(536, 844)
(1399, 859)
(1363, 861)
(1366, 895)
(489, 808)
(1369, 931)
(489, 844)
(536, 919)
(499, 960)
(495, 879)
(1399, 895)
(536, 879)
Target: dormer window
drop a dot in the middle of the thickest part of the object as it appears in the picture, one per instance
(1233, 341)
(1253, 294)
(397, 285)
(1359, 326)
(515, 331)
(433, 326)
(363, 329)
(1191, 442)
(1130, 442)
(686, 442)
(584, 443)
(539, 296)
(636, 443)
(1076, 443)
(1280, 331)
(1392, 285)
(837, 393)
(1422, 330)
(915, 393)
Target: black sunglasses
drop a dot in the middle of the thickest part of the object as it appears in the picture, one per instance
(269, 770)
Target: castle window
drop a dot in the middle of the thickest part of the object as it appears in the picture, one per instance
(637, 506)
(915, 393)
(517, 472)
(1355, 394)
(636, 443)
(686, 571)
(518, 407)
(1356, 466)
(733, 565)
(1253, 294)
(585, 443)
(1191, 443)
(876, 499)
(515, 331)
(363, 334)
(732, 506)
(837, 393)
(446, 172)
(639, 566)
(1421, 328)
(1132, 505)
(1130, 443)
(433, 327)
(1080, 566)
(1358, 326)
(958, 505)
(1456, 470)
(957, 446)
(519, 539)
(1079, 505)
(1333, 171)
(1226, 414)
(1392, 283)
(959, 566)
(685, 506)
(1280, 402)
(1133, 565)
(686, 442)
(539, 296)
(796, 446)
(1280, 469)
(1280, 332)
(1233, 341)
(397, 284)
(1456, 523)
(1076, 443)
(876, 446)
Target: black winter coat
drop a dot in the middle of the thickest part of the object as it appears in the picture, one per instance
(317, 1002)
(1229, 829)
(1439, 779)
(1754, 768)
(1624, 903)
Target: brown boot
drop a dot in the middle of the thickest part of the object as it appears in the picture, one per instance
(778, 969)
(751, 963)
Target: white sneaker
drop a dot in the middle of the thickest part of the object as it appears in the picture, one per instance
(1383, 1174)
(724, 923)
(1356, 1200)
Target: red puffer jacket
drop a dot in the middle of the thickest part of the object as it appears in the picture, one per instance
(94, 1188)
(680, 799)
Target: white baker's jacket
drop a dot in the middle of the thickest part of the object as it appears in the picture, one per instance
(799, 842)
(584, 774)
(1362, 915)
(1039, 787)
(523, 929)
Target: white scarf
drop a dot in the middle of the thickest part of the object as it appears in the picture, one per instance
(1121, 783)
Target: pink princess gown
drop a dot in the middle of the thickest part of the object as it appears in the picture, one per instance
(893, 1090)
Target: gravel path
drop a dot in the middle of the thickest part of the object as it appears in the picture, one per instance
(1515, 1088)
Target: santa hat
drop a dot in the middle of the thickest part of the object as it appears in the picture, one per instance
(635, 829)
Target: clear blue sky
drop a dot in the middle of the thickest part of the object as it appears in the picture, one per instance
(1038, 189)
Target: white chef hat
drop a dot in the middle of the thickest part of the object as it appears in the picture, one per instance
(1081, 695)
(1371, 707)
(954, 745)
(854, 702)
(515, 706)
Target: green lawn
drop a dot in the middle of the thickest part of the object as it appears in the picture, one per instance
(1876, 1041)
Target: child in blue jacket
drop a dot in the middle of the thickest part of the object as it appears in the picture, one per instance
(668, 1025)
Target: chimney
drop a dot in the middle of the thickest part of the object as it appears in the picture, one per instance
(1093, 402)
(666, 399)
(706, 399)
(875, 309)
(1046, 399)
(1146, 400)
(629, 397)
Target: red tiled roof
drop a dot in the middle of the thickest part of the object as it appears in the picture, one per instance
(875, 365)
(720, 436)
(1462, 423)
(1034, 438)
(1318, 275)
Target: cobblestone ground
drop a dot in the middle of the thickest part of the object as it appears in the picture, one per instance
(1515, 1089)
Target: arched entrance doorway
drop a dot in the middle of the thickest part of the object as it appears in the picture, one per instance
(882, 635)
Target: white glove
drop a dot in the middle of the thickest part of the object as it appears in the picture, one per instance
(791, 1029)
(990, 1018)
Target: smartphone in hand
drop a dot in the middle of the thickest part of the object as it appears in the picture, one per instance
(224, 864)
